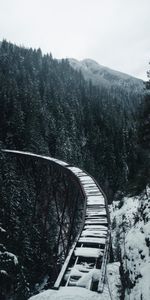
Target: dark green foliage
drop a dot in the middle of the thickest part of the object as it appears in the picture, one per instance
(141, 163)
(144, 139)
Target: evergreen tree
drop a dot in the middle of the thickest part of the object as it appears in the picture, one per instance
(144, 140)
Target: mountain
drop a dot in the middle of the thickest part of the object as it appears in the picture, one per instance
(103, 76)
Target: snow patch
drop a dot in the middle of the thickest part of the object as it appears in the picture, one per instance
(3, 272)
(2, 230)
(131, 224)
(10, 256)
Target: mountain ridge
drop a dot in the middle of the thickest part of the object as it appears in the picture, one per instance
(101, 75)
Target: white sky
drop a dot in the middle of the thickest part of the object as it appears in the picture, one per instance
(115, 33)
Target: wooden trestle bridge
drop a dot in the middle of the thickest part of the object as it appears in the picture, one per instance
(90, 249)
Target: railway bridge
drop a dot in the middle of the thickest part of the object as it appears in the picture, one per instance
(85, 257)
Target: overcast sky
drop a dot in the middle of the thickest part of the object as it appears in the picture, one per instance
(115, 33)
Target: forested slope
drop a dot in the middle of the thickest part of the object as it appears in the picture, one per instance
(48, 108)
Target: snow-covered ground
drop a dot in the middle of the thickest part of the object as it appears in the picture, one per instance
(131, 236)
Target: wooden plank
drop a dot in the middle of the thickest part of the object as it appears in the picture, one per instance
(88, 252)
(96, 222)
(90, 233)
(99, 227)
(94, 240)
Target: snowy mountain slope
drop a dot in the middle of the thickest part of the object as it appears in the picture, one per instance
(131, 239)
(100, 75)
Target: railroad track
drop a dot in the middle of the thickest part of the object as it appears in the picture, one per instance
(85, 264)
